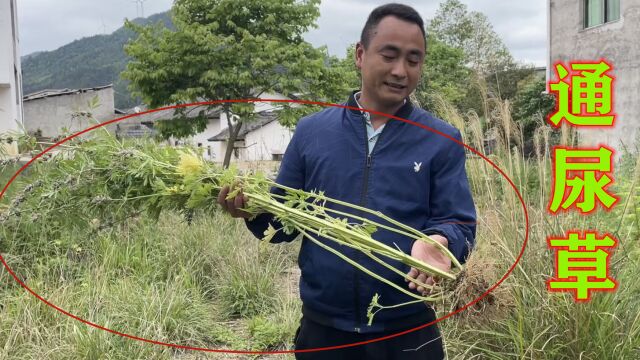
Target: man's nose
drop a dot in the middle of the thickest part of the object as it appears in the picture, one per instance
(399, 70)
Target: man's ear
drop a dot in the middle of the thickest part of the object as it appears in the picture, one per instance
(359, 53)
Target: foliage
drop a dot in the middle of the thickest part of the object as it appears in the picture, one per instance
(444, 74)
(161, 287)
(506, 84)
(471, 32)
(247, 288)
(491, 70)
(532, 104)
(627, 185)
(221, 50)
(334, 84)
(269, 332)
(521, 318)
(102, 182)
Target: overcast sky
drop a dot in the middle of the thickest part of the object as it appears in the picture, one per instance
(49, 24)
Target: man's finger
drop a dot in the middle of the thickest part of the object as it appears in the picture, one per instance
(222, 196)
(231, 202)
(412, 273)
(429, 281)
(421, 278)
(239, 203)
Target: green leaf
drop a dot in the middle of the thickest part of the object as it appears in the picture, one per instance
(269, 233)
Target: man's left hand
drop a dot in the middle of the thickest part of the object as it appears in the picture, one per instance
(429, 254)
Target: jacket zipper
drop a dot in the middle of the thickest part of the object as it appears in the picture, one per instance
(363, 203)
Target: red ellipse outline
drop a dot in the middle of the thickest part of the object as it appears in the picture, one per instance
(307, 102)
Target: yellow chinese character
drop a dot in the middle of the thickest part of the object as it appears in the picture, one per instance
(581, 264)
(585, 98)
(576, 170)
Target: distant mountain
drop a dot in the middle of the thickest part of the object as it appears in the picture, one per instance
(25, 57)
(91, 61)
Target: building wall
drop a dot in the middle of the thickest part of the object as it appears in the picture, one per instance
(263, 143)
(267, 106)
(51, 114)
(247, 154)
(211, 150)
(10, 73)
(617, 42)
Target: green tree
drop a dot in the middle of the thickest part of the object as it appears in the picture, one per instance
(532, 104)
(444, 74)
(494, 73)
(224, 49)
(339, 77)
(471, 32)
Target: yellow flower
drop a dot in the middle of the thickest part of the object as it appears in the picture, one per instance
(189, 164)
(173, 190)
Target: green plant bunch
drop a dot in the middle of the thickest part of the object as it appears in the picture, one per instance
(104, 181)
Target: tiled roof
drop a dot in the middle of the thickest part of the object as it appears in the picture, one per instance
(264, 118)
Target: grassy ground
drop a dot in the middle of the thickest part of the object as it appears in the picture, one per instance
(523, 320)
(211, 284)
(207, 285)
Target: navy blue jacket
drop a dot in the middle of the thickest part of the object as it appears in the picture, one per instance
(413, 175)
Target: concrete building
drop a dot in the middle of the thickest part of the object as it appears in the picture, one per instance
(149, 120)
(49, 113)
(10, 74)
(262, 139)
(590, 30)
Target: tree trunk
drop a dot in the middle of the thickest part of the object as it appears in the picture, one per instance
(234, 130)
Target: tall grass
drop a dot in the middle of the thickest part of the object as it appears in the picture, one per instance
(168, 282)
(522, 319)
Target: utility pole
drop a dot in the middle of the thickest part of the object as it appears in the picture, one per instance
(141, 3)
(137, 12)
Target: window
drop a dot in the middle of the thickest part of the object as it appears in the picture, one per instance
(598, 12)
(277, 157)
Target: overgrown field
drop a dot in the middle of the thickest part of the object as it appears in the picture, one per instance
(211, 284)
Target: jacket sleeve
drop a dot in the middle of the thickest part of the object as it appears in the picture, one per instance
(291, 174)
(453, 213)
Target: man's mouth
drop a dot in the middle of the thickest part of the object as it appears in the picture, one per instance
(395, 86)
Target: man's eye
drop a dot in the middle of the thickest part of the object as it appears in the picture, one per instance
(387, 57)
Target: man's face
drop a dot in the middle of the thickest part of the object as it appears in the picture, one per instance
(392, 64)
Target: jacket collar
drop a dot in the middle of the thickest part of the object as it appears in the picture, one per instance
(403, 112)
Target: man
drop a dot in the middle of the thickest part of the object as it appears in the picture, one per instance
(412, 175)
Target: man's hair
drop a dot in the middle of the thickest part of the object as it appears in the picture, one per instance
(403, 12)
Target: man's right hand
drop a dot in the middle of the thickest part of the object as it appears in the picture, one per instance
(234, 205)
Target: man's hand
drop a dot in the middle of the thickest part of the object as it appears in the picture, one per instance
(234, 205)
(431, 255)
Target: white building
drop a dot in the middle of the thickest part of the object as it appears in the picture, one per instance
(10, 74)
(262, 139)
(49, 112)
